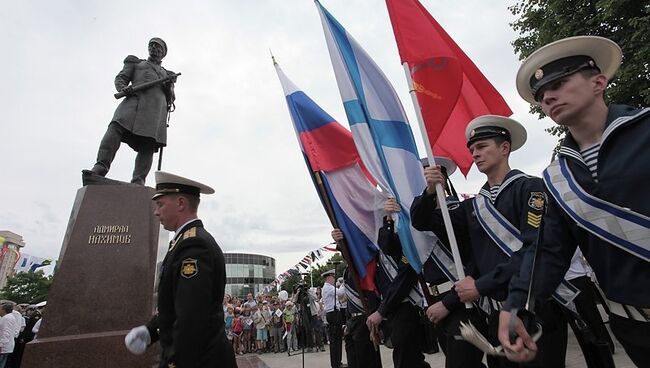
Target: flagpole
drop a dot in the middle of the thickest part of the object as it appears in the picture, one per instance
(440, 192)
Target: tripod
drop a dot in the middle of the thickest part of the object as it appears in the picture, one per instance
(303, 311)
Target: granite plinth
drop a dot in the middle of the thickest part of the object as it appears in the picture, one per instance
(104, 282)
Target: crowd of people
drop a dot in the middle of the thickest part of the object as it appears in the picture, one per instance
(265, 323)
(19, 324)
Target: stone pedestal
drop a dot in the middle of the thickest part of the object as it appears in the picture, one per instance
(104, 282)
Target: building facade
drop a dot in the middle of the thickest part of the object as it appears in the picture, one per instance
(10, 245)
(248, 273)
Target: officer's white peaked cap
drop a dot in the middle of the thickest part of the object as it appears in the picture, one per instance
(445, 162)
(167, 183)
(327, 273)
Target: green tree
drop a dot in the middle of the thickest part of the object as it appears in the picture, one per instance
(626, 22)
(316, 272)
(290, 282)
(27, 287)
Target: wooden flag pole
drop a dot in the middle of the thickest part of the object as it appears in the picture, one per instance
(342, 244)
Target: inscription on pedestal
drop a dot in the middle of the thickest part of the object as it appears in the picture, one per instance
(110, 235)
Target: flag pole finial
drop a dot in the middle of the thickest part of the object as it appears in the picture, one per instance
(273, 58)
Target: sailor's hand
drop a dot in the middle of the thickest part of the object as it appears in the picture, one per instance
(391, 206)
(137, 340)
(437, 312)
(523, 348)
(433, 175)
(373, 321)
(337, 235)
(466, 290)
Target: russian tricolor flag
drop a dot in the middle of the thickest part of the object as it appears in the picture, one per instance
(329, 149)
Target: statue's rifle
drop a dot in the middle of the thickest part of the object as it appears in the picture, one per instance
(139, 87)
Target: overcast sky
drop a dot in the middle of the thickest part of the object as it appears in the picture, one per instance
(231, 128)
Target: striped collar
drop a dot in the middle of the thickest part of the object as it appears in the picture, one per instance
(617, 116)
(510, 178)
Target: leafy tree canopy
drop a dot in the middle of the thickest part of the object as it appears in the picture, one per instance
(27, 287)
(316, 272)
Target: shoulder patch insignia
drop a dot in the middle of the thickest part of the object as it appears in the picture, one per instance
(537, 200)
(404, 260)
(534, 220)
(190, 233)
(189, 268)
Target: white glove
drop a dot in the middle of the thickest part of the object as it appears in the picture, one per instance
(137, 340)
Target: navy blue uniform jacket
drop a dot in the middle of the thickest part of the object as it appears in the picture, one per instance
(623, 176)
(488, 264)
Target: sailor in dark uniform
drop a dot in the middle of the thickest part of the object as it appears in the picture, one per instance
(596, 200)
(510, 198)
(402, 301)
(359, 348)
(398, 312)
(190, 321)
(446, 311)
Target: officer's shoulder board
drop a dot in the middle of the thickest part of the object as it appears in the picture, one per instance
(132, 59)
(189, 233)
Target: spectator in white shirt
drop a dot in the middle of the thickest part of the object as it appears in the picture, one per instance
(7, 330)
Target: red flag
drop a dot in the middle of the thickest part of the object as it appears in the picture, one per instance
(450, 89)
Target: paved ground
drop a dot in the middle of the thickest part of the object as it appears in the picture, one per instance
(321, 359)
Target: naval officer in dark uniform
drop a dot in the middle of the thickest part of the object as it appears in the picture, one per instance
(190, 321)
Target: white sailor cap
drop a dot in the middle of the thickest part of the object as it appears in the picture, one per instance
(167, 183)
(565, 57)
(328, 273)
(490, 126)
(448, 164)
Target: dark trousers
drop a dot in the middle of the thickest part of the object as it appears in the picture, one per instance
(108, 147)
(551, 346)
(458, 353)
(335, 328)
(406, 336)
(15, 358)
(585, 303)
(590, 331)
(635, 338)
(358, 347)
